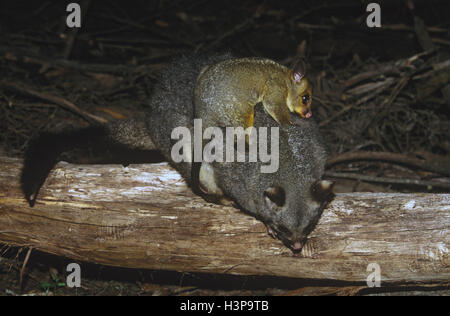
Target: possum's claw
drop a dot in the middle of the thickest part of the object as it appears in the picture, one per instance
(271, 232)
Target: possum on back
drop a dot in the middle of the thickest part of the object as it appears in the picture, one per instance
(227, 92)
(289, 201)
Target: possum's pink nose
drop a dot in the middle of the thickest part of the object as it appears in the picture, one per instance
(306, 113)
(297, 246)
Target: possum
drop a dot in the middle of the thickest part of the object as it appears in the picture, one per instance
(289, 201)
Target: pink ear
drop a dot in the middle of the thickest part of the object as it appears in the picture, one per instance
(297, 77)
(299, 71)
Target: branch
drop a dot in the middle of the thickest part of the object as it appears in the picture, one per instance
(441, 166)
(56, 100)
(144, 216)
(362, 177)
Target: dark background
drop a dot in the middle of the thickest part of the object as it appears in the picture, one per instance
(108, 68)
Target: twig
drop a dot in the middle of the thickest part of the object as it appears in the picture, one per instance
(357, 27)
(388, 82)
(337, 114)
(440, 41)
(368, 87)
(170, 37)
(70, 64)
(238, 28)
(124, 26)
(318, 8)
(27, 257)
(361, 177)
(57, 100)
(384, 69)
(426, 43)
(423, 164)
(436, 67)
(402, 27)
(385, 107)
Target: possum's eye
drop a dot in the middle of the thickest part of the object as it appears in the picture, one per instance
(276, 194)
(305, 99)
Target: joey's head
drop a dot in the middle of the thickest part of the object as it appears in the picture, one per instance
(290, 200)
(300, 94)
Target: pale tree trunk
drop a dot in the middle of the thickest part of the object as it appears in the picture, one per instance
(144, 216)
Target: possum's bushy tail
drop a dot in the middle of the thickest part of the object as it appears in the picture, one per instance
(44, 151)
(171, 105)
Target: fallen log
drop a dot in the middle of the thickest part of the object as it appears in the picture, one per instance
(144, 216)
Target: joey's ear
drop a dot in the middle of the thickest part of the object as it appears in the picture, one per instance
(322, 190)
(299, 71)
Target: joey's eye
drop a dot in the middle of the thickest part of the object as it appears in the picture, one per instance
(305, 99)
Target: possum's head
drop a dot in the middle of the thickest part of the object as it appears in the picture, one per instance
(290, 200)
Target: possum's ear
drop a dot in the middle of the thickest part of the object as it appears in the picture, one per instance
(322, 190)
(299, 71)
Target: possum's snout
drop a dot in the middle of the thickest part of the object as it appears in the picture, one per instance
(306, 113)
(297, 246)
(292, 216)
(289, 239)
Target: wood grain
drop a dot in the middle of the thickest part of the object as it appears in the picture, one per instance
(144, 216)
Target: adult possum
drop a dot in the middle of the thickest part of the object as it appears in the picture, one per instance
(289, 201)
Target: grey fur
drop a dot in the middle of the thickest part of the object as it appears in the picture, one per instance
(172, 104)
(302, 156)
(301, 162)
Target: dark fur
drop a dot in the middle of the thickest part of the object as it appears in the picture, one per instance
(174, 94)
